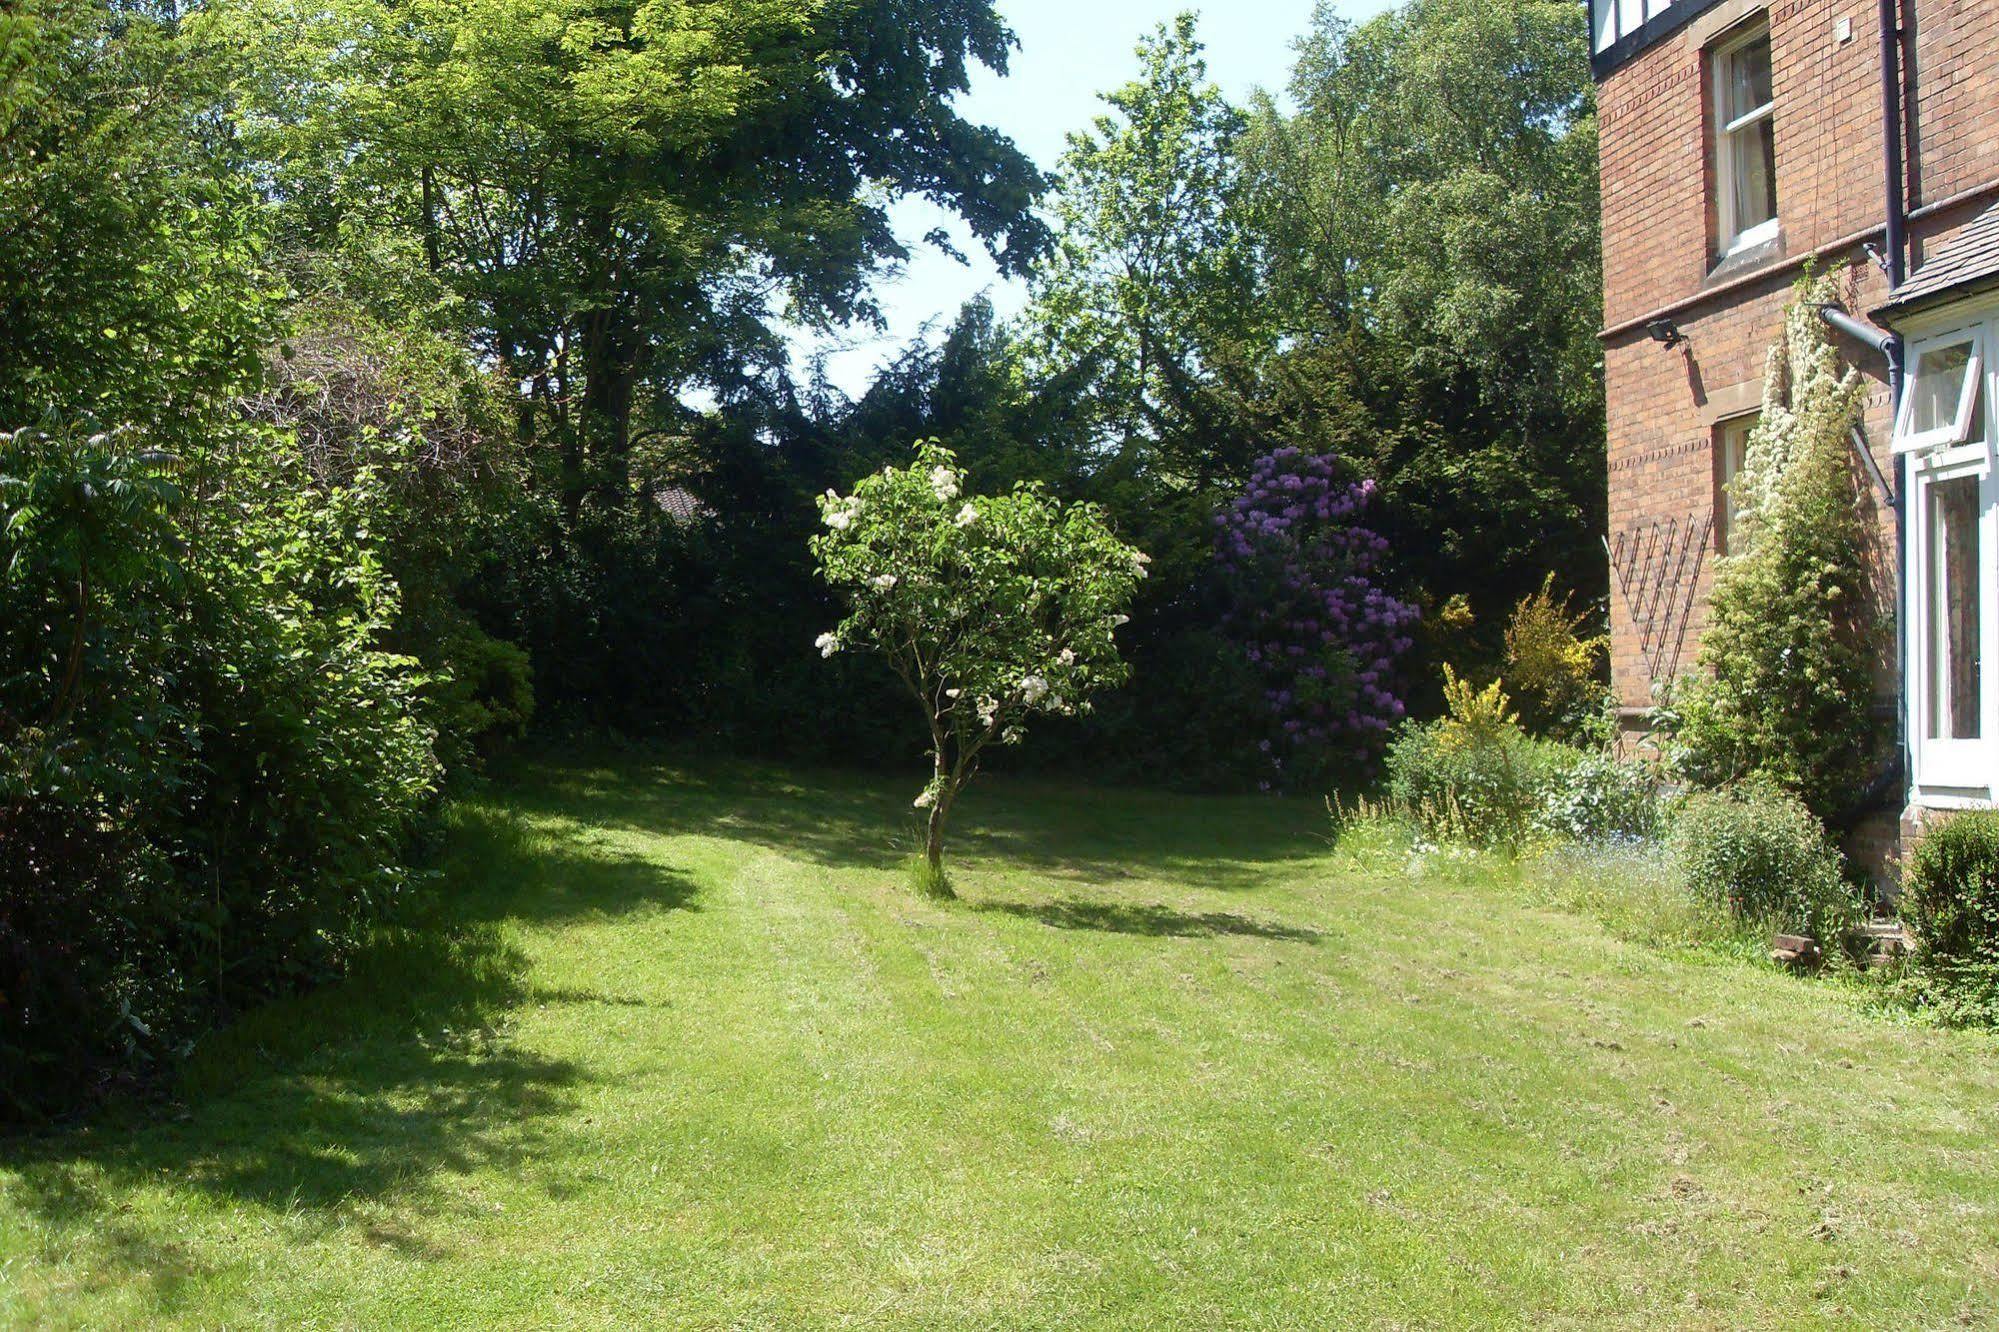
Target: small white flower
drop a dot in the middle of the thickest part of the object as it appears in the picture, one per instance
(1068, 657)
(944, 483)
(827, 644)
(1118, 621)
(883, 581)
(1033, 688)
(839, 520)
(926, 799)
(952, 693)
(967, 516)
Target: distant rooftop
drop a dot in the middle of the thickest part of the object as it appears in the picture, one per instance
(682, 505)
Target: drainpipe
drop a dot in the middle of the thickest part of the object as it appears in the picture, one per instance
(1895, 241)
(1892, 129)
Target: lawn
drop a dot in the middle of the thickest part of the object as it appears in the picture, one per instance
(681, 1051)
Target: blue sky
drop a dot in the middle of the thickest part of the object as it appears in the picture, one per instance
(1070, 50)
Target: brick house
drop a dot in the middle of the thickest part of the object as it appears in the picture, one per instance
(1742, 140)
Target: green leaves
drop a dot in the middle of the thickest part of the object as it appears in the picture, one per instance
(1155, 283)
(1793, 634)
(989, 608)
(622, 194)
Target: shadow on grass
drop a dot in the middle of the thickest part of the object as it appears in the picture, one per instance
(379, 1087)
(1148, 919)
(1058, 829)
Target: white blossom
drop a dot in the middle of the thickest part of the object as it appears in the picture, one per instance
(1033, 688)
(827, 644)
(883, 581)
(927, 798)
(839, 520)
(1067, 657)
(1118, 621)
(967, 516)
(944, 483)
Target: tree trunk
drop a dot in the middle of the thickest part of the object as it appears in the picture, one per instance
(940, 811)
(605, 423)
(933, 848)
(432, 259)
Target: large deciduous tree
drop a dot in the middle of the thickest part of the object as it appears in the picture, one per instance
(1151, 295)
(1429, 216)
(627, 194)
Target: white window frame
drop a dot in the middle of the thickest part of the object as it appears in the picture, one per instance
(1964, 768)
(1951, 773)
(1719, 59)
(1959, 426)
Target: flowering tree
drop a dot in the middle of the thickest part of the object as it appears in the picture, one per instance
(1309, 614)
(1795, 627)
(988, 607)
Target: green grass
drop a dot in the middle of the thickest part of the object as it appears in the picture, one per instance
(684, 1051)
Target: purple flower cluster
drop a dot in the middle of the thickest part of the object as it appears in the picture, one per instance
(1307, 612)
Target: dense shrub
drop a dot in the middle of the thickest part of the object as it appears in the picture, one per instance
(1794, 633)
(1310, 613)
(208, 768)
(1758, 851)
(1474, 776)
(393, 411)
(1557, 666)
(1950, 904)
(1601, 798)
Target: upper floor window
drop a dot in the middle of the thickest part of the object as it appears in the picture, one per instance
(1745, 147)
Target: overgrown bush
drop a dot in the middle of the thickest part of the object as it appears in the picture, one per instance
(395, 412)
(1311, 615)
(1600, 798)
(1557, 665)
(1950, 904)
(1474, 776)
(1758, 851)
(1793, 637)
(209, 769)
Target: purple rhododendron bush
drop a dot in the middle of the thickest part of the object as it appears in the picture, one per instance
(1311, 616)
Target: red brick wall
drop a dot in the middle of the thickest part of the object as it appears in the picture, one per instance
(1658, 247)
(1956, 66)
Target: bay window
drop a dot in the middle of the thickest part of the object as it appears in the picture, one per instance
(1952, 595)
